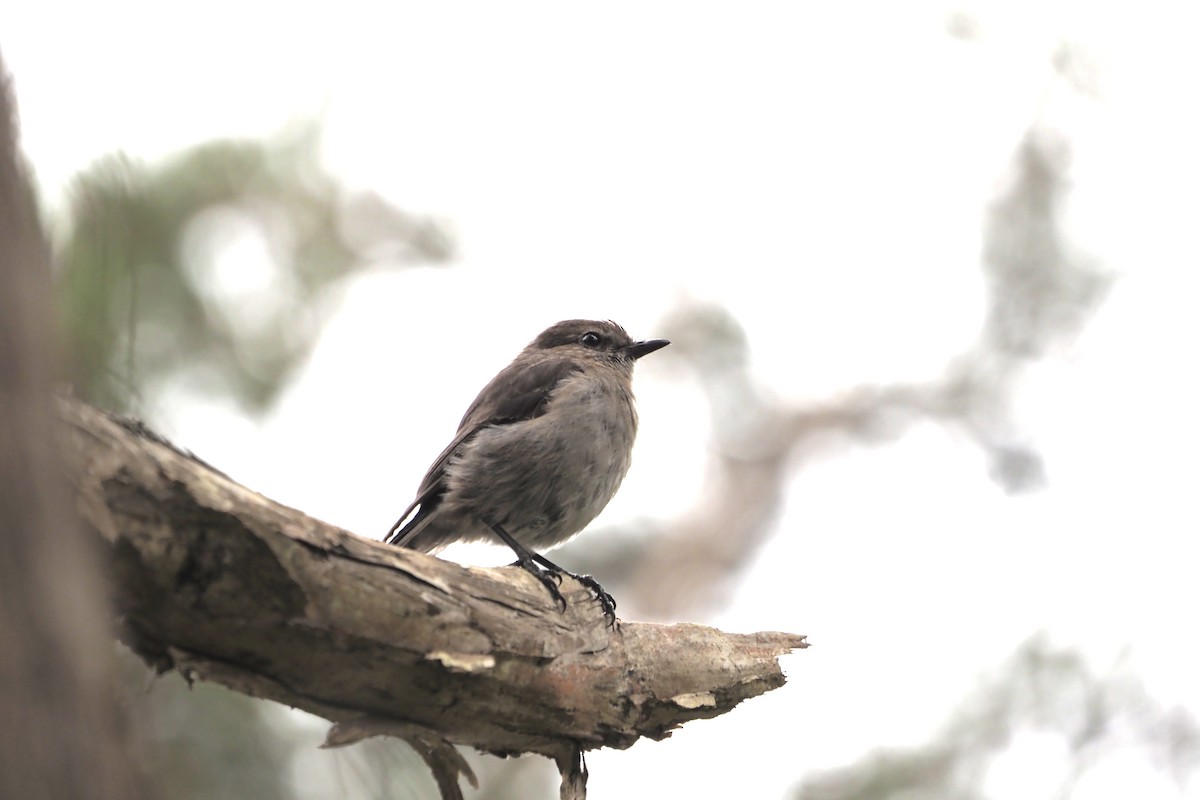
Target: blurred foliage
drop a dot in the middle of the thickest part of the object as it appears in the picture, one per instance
(1043, 691)
(212, 267)
(1041, 292)
(206, 742)
(202, 742)
(145, 260)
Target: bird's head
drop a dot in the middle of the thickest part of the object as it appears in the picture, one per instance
(595, 340)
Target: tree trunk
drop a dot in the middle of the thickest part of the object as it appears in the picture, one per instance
(60, 734)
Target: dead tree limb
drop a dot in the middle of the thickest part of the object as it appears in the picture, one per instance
(223, 584)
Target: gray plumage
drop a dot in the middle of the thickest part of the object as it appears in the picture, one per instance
(542, 449)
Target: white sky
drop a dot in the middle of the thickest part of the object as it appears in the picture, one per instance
(609, 162)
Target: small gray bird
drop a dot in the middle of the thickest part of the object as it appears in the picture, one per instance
(539, 453)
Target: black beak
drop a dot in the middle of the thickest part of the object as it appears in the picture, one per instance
(639, 349)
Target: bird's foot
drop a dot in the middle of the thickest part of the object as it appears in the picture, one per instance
(549, 578)
(550, 574)
(607, 604)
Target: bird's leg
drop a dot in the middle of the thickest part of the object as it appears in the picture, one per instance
(528, 560)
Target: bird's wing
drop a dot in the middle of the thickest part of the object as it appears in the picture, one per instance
(519, 392)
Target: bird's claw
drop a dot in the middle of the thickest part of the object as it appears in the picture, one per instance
(607, 604)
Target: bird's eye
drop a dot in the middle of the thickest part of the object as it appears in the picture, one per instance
(590, 339)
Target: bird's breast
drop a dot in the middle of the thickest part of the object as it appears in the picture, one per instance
(544, 479)
(592, 425)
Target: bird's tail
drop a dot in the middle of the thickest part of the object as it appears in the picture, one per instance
(405, 528)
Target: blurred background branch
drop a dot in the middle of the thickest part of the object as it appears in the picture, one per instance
(1040, 295)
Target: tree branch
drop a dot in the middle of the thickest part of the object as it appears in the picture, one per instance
(225, 585)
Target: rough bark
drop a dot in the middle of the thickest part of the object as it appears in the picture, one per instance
(223, 584)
